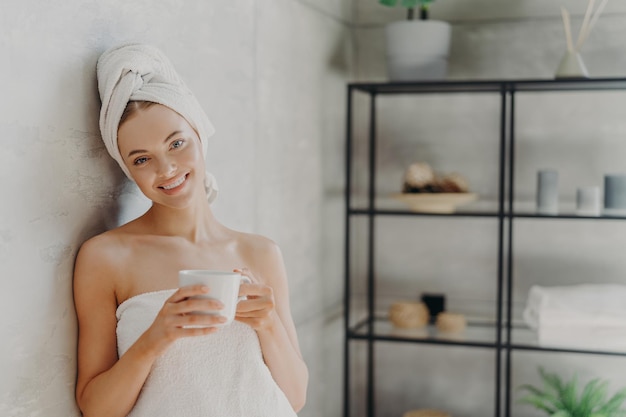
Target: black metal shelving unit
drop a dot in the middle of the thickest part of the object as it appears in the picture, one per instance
(372, 329)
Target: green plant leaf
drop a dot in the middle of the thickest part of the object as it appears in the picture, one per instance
(613, 405)
(531, 388)
(410, 4)
(560, 399)
(537, 401)
(551, 381)
(569, 394)
(390, 3)
(592, 397)
(549, 399)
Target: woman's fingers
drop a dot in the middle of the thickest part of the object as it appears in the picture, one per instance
(196, 331)
(179, 318)
(189, 309)
(192, 298)
(247, 273)
(191, 305)
(257, 309)
(186, 292)
(255, 290)
(255, 305)
(195, 320)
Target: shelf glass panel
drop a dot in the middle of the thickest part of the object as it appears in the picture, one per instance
(482, 208)
(390, 206)
(567, 210)
(428, 87)
(566, 215)
(462, 86)
(592, 84)
(477, 333)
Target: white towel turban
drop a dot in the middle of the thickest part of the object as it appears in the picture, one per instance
(138, 72)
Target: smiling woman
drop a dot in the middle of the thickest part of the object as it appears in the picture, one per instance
(140, 351)
(163, 153)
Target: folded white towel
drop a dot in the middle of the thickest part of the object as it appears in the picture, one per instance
(219, 375)
(584, 304)
(138, 72)
(602, 337)
(583, 316)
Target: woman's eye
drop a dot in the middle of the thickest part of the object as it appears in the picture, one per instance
(177, 144)
(140, 161)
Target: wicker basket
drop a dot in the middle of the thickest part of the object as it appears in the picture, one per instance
(408, 314)
(451, 322)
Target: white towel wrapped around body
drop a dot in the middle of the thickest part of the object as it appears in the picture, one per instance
(218, 375)
(139, 72)
(591, 316)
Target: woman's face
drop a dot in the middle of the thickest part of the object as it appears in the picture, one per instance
(164, 155)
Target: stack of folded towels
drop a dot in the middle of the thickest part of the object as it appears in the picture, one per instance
(587, 316)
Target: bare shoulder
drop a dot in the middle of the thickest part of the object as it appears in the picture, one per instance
(102, 250)
(258, 248)
(264, 257)
(99, 261)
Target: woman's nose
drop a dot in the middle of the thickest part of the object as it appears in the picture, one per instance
(167, 167)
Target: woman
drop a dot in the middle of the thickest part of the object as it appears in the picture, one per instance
(137, 355)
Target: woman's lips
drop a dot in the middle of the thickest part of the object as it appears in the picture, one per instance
(175, 184)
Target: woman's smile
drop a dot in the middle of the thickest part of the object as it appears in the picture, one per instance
(173, 186)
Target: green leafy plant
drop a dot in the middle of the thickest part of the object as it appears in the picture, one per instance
(559, 398)
(422, 5)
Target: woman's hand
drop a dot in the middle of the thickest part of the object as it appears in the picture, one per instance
(176, 319)
(257, 310)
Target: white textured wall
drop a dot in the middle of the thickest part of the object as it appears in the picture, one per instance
(582, 135)
(271, 76)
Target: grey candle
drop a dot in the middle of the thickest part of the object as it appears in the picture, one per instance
(548, 192)
(615, 194)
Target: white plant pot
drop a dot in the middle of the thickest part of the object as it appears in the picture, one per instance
(417, 50)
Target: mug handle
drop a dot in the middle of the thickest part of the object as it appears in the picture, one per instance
(248, 281)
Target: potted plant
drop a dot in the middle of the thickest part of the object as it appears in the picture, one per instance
(417, 49)
(559, 398)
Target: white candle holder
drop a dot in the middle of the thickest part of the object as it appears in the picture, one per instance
(588, 201)
(572, 65)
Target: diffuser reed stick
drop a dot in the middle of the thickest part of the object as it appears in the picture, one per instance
(588, 13)
(586, 29)
(568, 29)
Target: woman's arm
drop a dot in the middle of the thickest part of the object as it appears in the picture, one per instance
(267, 311)
(107, 386)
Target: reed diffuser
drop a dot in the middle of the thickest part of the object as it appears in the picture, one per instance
(572, 65)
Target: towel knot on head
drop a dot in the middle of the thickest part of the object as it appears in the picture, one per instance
(139, 72)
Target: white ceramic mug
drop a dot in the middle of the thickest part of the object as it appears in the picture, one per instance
(223, 286)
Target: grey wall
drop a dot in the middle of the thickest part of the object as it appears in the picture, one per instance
(271, 76)
(582, 135)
